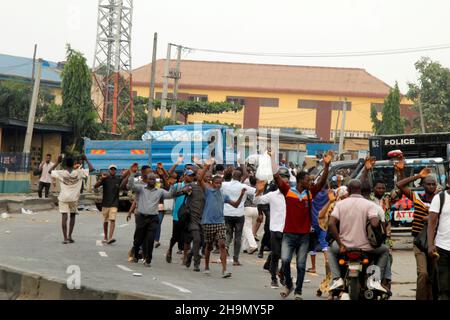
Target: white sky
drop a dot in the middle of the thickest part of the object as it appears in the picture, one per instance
(296, 26)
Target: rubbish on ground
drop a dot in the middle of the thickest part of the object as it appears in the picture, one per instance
(137, 274)
(26, 211)
(5, 215)
(7, 231)
(84, 207)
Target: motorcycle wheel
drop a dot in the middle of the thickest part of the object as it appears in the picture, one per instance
(354, 288)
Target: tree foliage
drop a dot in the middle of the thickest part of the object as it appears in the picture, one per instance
(77, 108)
(432, 93)
(391, 122)
(186, 108)
(15, 99)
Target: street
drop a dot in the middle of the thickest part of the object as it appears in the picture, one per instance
(32, 243)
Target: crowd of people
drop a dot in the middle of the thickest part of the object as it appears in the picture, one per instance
(218, 209)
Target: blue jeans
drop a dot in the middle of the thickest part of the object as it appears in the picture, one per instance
(158, 231)
(298, 243)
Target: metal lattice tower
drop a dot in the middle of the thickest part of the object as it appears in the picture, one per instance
(113, 85)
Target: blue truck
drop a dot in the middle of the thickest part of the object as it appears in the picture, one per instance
(162, 147)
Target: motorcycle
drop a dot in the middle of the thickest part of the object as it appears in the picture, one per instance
(356, 271)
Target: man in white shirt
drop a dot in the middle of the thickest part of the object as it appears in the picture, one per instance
(277, 203)
(46, 180)
(70, 181)
(235, 217)
(439, 240)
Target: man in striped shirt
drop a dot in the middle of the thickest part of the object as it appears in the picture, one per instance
(422, 203)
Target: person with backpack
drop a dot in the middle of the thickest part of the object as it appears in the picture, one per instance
(438, 233)
(425, 289)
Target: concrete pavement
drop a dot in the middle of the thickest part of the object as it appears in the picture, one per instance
(32, 244)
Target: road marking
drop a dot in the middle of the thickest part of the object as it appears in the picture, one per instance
(124, 268)
(103, 254)
(123, 225)
(181, 289)
(99, 243)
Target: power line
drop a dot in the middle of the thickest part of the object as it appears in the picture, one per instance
(327, 54)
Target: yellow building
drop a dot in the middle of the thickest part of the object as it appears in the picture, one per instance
(310, 99)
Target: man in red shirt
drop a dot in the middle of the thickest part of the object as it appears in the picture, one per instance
(297, 226)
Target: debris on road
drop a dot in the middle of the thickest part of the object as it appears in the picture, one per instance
(5, 216)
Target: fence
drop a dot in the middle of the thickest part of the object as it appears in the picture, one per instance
(14, 162)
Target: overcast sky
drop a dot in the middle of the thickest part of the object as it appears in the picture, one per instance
(294, 26)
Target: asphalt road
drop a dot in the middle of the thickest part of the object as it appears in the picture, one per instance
(32, 243)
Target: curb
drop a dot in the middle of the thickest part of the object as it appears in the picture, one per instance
(14, 206)
(20, 285)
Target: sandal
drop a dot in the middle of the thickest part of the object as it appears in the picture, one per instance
(111, 241)
(286, 292)
(226, 274)
(237, 264)
(66, 242)
(311, 270)
(71, 241)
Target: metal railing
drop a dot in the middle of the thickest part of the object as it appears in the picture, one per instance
(14, 162)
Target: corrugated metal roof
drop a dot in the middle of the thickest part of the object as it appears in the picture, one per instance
(13, 66)
(215, 75)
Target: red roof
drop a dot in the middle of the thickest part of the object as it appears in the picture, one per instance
(214, 75)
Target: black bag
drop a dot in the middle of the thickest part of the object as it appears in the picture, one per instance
(421, 240)
(37, 172)
(375, 235)
(184, 212)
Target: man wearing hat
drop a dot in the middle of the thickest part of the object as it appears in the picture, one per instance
(110, 202)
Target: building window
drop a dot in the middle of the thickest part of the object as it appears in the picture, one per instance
(378, 106)
(198, 97)
(159, 95)
(237, 100)
(314, 104)
(269, 102)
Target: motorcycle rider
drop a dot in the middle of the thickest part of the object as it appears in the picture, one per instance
(352, 215)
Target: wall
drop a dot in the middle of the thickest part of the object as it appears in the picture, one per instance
(288, 114)
(14, 182)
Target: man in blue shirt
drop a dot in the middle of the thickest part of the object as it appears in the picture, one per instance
(213, 220)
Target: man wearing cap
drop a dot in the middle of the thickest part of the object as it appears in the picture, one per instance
(110, 202)
(147, 219)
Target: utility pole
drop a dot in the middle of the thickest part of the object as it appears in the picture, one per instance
(34, 64)
(166, 83)
(422, 124)
(341, 136)
(152, 84)
(175, 88)
(32, 112)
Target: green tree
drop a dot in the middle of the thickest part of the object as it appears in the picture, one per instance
(186, 108)
(432, 93)
(391, 122)
(77, 108)
(15, 98)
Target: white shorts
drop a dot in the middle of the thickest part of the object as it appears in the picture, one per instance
(68, 207)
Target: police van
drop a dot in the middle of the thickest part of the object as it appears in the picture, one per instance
(419, 151)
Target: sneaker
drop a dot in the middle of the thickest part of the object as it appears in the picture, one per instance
(337, 284)
(196, 269)
(298, 296)
(226, 274)
(260, 255)
(274, 284)
(375, 285)
(207, 272)
(286, 292)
